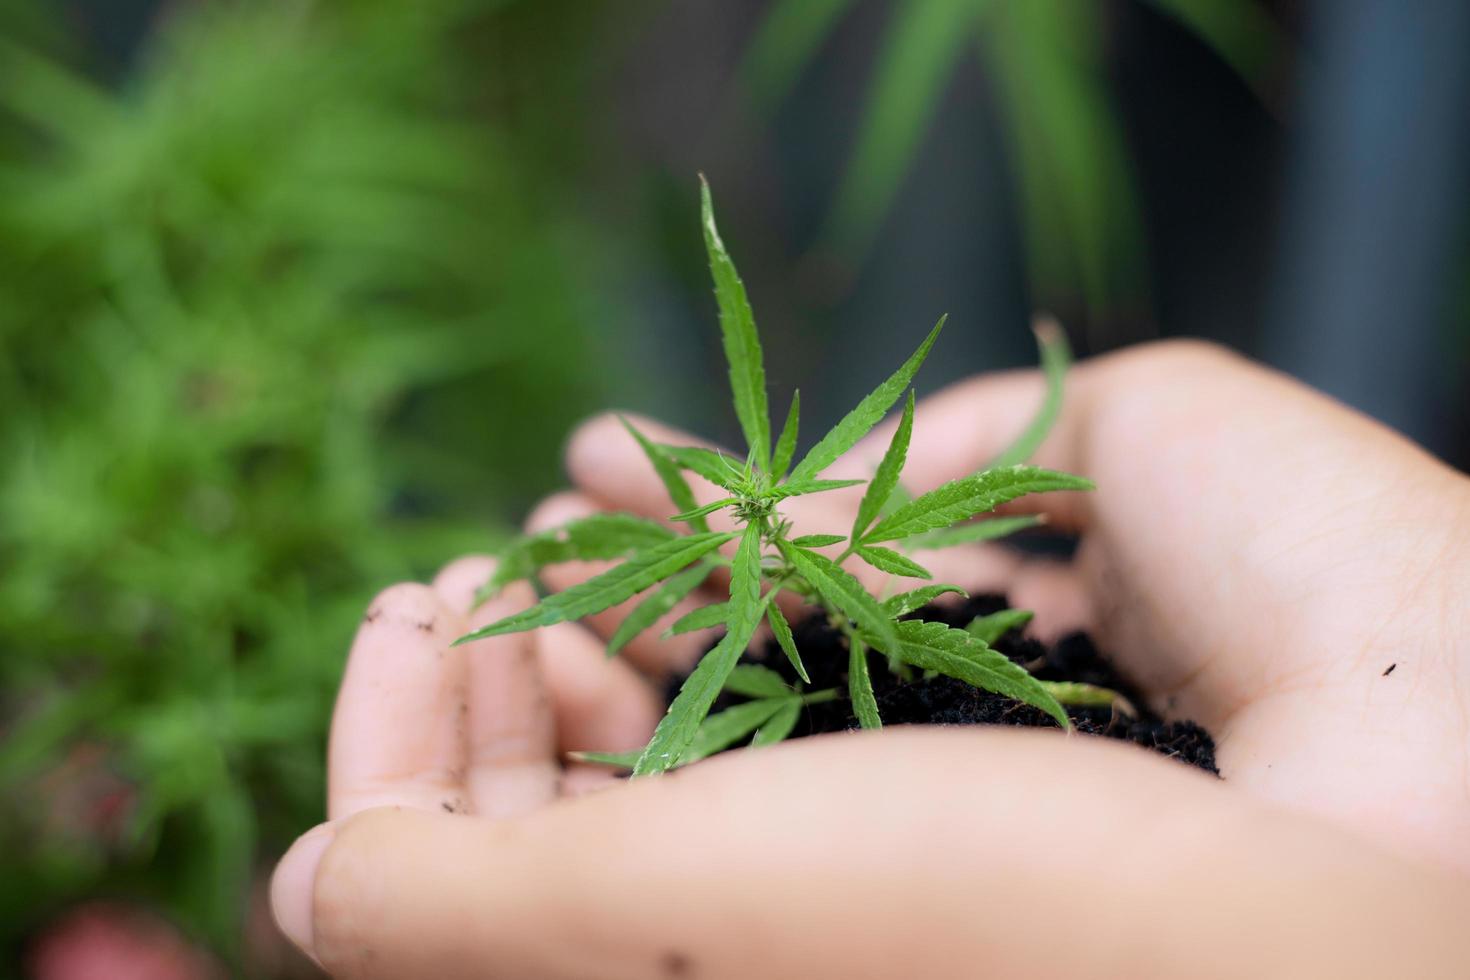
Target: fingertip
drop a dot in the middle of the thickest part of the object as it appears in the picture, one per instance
(558, 509)
(459, 581)
(293, 888)
(598, 444)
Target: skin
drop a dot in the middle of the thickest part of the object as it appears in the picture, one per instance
(1256, 555)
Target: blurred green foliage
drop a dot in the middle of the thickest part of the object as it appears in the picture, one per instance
(285, 316)
(1046, 60)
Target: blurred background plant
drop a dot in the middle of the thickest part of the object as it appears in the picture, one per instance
(300, 298)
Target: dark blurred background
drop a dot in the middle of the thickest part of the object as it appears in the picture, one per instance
(300, 298)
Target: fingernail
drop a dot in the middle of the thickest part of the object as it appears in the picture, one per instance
(293, 887)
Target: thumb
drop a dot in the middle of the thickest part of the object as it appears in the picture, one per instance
(917, 853)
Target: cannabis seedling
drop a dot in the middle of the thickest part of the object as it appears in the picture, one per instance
(768, 560)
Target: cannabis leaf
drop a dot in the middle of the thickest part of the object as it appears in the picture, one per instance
(957, 654)
(591, 538)
(869, 412)
(742, 345)
(988, 629)
(860, 686)
(786, 442)
(782, 631)
(678, 488)
(881, 487)
(651, 609)
(961, 499)
(702, 618)
(1056, 357)
(755, 681)
(988, 530)
(843, 591)
(609, 588)
(677, 729)
(906, 602)
(890, 561)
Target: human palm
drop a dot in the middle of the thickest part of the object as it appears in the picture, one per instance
(1256, 557)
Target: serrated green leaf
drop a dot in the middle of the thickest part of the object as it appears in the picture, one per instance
(720, 731)
(890, 561)
(608, 589)
(989, 629)
(779, 726)
(860, 686)
(703, 618)
(869, 412)
(798, 488)
(591, 538)
(755, 681)
(785, 640)
(623, 760)
(668, 472)
(989, 530)
(709, 508)
(962, 499)
(786, 443)
(957, 654)
(658, 604)
(906, 602)
(717, 468)
(1056, 357)
(842, 590)
(681, 723)
(742, 343)
(817, 540)
(885, 480)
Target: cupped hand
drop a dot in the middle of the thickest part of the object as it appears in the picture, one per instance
(1256, 556)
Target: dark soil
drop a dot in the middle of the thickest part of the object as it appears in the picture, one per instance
(946, 701)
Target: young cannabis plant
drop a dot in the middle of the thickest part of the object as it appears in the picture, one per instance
(767, 560)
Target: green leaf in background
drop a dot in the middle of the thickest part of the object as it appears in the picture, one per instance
(786, 442)
(1056, 357)
(842, 591)
(989, 629)
(988, 530)
(785, 640)
(785, 41)
(968, 496)
(755, 681)
(906, 602)
(957, 654)
(881, 487)
(923, 46)
(668, 471)
(657, 605)
(817, 540)
(681, 723)
(779, 726)
(860, 685)
(608, 589)
(596, 537)
(703, 618)
(742, 344)
(869, 412)
(890, 561)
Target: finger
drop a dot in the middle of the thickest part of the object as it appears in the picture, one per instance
(600, 705)
(513, 765)
(397, 731)
(649, 649)
(459, 581)
(736, 868)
